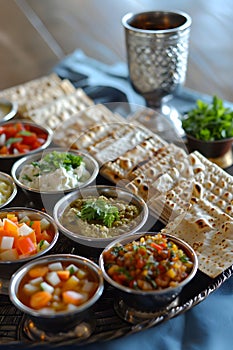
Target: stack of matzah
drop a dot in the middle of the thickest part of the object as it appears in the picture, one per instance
(47, 100)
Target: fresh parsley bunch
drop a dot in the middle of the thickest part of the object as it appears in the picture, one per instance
(209, 122)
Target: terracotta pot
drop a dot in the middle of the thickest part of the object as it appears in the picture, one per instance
(219, 151)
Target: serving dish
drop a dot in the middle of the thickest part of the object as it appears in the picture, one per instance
(26, 234)
(8, 189)
(57, 292)
(13, 141)
(8, 110)
(132, 213)
(57, 177)
(149, 271)
(108, 325)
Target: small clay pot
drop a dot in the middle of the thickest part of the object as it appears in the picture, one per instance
(214, 150)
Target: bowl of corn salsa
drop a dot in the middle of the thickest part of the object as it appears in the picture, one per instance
(148, 270)
(57, 291)
(25, 234)
(8, 189)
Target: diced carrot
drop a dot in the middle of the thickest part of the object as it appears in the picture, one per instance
(7, 233)
(72, 297)
(38, 271)
(47, 236)
(10, 227)
(4, 150)
(40, 299)
(63, 274)
(32, 235)
(25, 245)
(36, 227)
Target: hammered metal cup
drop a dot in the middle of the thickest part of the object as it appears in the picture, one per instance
(157, 52)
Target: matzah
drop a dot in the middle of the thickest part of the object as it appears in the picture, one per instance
(57, 111)
(209, 231)
(120, 168)
(21, 92)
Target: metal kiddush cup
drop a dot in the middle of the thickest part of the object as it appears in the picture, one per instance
(157, 52)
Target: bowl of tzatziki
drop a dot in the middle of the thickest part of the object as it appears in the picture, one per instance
(50, 174)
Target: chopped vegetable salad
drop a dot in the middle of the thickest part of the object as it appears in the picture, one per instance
(151, 263)
(20, 238)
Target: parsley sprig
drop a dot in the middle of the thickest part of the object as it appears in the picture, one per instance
(99, 210)
(56, 160)
(209, 121)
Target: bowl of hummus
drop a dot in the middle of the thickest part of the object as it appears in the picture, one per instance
(96, 215)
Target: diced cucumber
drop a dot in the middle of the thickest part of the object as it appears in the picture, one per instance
(42, 245)
(44, 224)
(25, 218)
(72, 268)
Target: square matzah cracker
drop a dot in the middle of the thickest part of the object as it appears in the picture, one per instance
(209, 231)
(214, 184)
(20, 93)
(53, 114)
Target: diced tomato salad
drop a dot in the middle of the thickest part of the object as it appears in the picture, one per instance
(151, 263)
(20, 138)
(57, 286)
(20, 238)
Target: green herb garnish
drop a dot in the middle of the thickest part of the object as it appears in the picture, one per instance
(27, 178)
(209, 121)
(41, 243)
(56, 160)
(12, 140)
(99, 210)
(25, 133)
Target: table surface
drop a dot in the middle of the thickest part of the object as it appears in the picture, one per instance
(36, 35)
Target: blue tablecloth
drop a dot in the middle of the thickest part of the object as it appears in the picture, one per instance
(208, 325)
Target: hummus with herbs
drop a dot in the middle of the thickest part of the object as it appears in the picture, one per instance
(100, 217)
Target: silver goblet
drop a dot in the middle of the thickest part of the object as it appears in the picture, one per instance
(157, 52)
